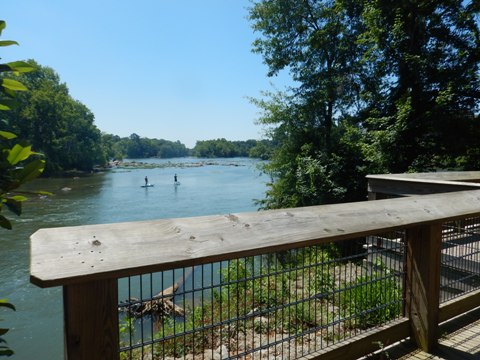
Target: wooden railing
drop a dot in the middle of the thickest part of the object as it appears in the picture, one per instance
(88, 260)
(388, 185)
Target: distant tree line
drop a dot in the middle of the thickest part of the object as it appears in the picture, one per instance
(136, 147)
(63, 130)
(261, 149)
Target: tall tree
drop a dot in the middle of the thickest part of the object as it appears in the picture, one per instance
(316, 42)
(425, 54)
(55, 124)
(382, 85)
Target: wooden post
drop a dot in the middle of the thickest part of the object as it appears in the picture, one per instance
(423, 283)
(91, 320)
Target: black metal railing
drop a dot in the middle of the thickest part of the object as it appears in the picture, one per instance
(460, 264)
(284, 305)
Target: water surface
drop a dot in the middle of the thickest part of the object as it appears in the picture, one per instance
(217, 187)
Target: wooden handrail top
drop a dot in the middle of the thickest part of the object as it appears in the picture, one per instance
(422, 183)
(472, 178)
(67, 255)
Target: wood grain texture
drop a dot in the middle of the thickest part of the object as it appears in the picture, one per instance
(423, 283)
(459, 305)
(423, 183)
(91, 320)
(71, 255)
(462, 176)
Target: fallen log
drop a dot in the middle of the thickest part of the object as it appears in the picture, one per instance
(160, 305)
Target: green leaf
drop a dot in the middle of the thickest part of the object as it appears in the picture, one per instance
(9, 92)
(5, 303)
(7, 104)
(19, 153)
(14, 206)
(4, 351)
(32, 170)
(7, 135)
(13, 85)
(3, 25)
(4, 223)
(8, 42)
(17, 66)
(17, 198)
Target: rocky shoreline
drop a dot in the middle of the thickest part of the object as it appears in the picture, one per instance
(114, 164)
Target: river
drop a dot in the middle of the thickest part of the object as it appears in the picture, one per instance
(212, 186)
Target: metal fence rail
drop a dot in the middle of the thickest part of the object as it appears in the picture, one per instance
(280, 305)
(460, 264)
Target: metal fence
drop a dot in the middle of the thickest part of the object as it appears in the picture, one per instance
(276, 306)
(460, 264)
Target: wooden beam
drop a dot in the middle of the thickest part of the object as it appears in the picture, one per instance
(71, 255)
(410, 187)
(409, 184)
(459, 305)
(423, 283)
(91, 320)
(365, 343)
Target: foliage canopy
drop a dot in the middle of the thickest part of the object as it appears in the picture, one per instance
(379, 86)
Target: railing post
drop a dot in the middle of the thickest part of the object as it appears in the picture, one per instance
(91, 320)
(423, 283)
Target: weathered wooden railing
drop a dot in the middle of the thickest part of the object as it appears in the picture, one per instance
(88, 260)
(408, 184)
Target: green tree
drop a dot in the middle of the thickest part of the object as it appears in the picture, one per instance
(424, 56)
(54, 123)
(379, 86)
(316, 42)
(16, 166)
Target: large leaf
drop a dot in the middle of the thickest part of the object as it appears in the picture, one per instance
(14, 206)
(8, 42)
(19, 153)
(5, 303)
(9, 92)
(5, 351)
(21, 66)
(5, 223)
(17, 66)
(7, 135)
(31, 171)
(13, 85)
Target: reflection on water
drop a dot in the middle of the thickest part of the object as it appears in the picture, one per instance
(227, 186)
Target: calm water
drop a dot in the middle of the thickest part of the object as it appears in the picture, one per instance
(36, 328)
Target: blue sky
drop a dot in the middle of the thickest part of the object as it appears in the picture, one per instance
(169, 69)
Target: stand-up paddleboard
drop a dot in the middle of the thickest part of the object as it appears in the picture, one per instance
(176, 183)
(148, 185)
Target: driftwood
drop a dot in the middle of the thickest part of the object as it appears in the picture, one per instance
(160, 305)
